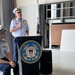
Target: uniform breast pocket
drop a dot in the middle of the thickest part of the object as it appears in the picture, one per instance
(24, 27)
(3, 52)
(16, 23)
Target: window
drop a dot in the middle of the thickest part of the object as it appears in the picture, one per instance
(60, 11)
(49, 14)
(55, 13)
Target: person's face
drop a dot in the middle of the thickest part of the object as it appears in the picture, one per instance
(18, 15)
(2, 35)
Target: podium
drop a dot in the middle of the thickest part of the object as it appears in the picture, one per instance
(29, 53)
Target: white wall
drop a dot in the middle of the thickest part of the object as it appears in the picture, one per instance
(29, 12)
(25, 2)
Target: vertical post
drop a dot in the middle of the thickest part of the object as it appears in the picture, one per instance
(61, 12)
(38, 23)
(6, 16)
(53, 11)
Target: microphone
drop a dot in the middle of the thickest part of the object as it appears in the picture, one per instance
(20, 20)
(21, 26)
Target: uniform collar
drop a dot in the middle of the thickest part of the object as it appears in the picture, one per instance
(2, 40)
(18, 19)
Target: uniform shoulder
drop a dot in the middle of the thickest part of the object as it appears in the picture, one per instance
(14, 19)
(24, 20)
(3, 41)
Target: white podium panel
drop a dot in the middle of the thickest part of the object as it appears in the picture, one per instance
(68, 41)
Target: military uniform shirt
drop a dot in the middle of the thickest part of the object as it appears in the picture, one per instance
(20, 31)
(4, 48)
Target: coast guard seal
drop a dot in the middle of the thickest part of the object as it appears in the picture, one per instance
(30, 51)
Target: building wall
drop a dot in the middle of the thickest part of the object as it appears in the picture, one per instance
(25, 2)
(29, 12)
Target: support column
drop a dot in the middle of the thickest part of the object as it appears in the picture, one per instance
(53, 11)
(6, 16)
